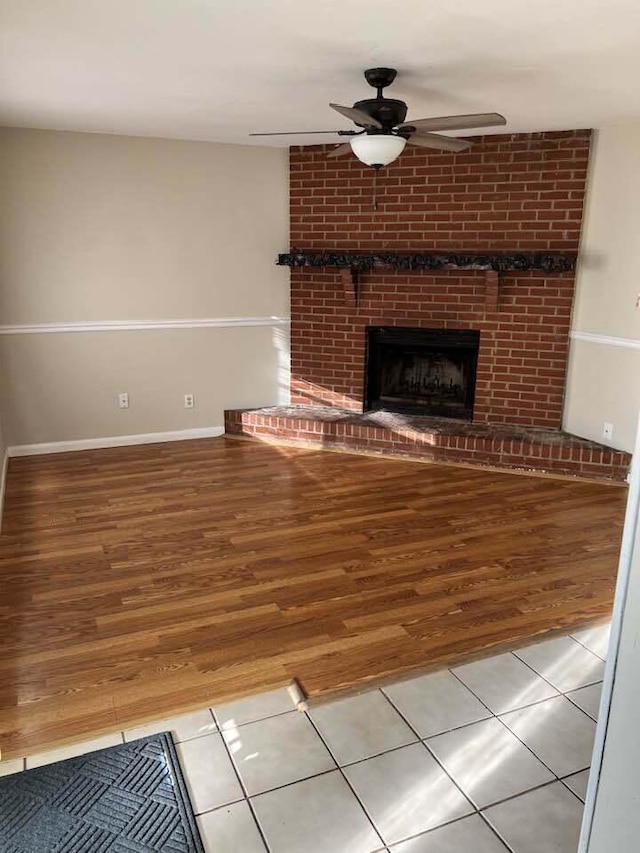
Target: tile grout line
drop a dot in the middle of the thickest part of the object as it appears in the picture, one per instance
(544, 678)
(487, 823)
(556, 778)
(520, 707)
(497, 717)
(421, 740)
(446, 824)
(532, 704)
(276, 787)
(444, 769)
(246, 798)
(537, 757)
(258, 720)
(563, 781)
(346, 780)
(575, 704)
(604, 659)
(480, 810)
(522, 793)
(415, 731)
(560, 693)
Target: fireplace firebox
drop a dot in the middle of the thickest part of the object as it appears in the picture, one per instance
(421, 371)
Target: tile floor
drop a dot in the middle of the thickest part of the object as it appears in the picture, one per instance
(488, 757)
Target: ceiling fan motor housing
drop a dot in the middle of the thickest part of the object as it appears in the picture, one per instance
(388, 111)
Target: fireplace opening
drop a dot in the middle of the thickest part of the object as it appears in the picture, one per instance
(421, 371)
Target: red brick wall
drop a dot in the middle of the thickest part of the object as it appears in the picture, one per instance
(522, 191)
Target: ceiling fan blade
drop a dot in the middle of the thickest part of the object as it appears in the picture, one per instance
(456, 122)
(303, 132)
(356, 115)
(340, 150)
(434, 140)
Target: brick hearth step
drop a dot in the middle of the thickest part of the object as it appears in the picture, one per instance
(433, 439)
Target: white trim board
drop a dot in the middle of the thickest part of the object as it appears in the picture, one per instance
(628, 343)
(143, 325)
(113, 441)
(630, 535)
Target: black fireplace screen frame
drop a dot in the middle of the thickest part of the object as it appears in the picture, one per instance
(461, 346)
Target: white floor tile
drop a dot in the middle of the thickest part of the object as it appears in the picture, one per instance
(184, 727)
(547, 819)
(361, 726)
(208, 772)
(557, 732)
(587, 698)
(578, 783)
(277, 751)
(230, 829)
(564, 663)
(319, 815)
(488, 762)
(504, 683)
(74, 750)
(469, 835)
(406, 792)
(436, 703)
(253, 708)
(14, 765)
(596, 639)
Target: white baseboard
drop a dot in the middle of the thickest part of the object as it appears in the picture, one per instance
(3, 481)
(113, 441)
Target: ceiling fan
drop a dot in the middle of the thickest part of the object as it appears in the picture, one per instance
(385, 132)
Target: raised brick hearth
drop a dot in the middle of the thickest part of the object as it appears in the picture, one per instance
(430, 439)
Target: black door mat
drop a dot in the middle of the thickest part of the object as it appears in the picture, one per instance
(125, 799)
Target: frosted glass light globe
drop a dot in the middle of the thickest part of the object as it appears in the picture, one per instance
(377, 149)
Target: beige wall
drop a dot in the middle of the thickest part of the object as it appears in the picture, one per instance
(97, 228)
(604, 380)
(63, 387)
(603, 386)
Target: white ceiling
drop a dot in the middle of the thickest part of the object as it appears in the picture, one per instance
(218, 69)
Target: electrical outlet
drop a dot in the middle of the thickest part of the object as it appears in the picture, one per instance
(123, 400)
(607, 430)
(189, 401)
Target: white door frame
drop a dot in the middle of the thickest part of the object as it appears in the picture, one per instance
(630, 548)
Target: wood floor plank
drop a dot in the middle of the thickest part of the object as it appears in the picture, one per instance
(143, 581)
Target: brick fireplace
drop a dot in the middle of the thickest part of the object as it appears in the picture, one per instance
(520, 193)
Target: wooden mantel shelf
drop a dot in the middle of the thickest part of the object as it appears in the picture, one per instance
(548, 262)
(351, 264)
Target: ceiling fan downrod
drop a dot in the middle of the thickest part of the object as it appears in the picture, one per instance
(380, 78)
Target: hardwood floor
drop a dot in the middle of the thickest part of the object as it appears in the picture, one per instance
(141, 581)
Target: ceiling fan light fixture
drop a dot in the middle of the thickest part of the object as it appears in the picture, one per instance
(377, 149)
